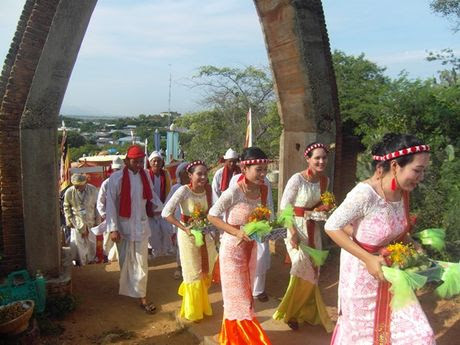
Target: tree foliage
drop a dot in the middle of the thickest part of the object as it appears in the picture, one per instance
(449, 9)
(228, 95)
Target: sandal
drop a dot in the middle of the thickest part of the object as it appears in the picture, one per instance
(149, 308)
(294, 325)
(177, 274)
(262, 297)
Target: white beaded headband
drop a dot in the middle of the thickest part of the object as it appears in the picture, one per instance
(314, 146)
(193, 164)
(255, 161)
(403, 152)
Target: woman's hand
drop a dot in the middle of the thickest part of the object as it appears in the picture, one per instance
(187, 230)
(374, 265)
(243, 236)
(295, 240)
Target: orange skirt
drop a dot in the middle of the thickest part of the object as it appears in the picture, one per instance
(242, 332)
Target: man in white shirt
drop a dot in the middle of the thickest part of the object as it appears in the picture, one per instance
(110, 251)
(161, 231)
(222, 177)
(80, 215)
(130, 201)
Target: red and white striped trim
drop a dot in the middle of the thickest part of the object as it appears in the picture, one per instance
(193, 164)
(314, 146)
(255, 161)
(403, 152)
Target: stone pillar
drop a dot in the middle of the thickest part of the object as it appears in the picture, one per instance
(12, 106)
(298, 49)
(40, 159)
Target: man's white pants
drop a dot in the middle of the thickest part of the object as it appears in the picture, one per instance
(134, 268)
(82, 248)
(160, 237)
(263, 264)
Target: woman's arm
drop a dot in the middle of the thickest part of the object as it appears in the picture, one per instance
(220, 224)
(373, 262)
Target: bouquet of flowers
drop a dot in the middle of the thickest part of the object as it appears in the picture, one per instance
(259, 223)
(404, 272)
(327, 206)
(199, 222)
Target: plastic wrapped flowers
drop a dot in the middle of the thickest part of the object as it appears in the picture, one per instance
(199, 223)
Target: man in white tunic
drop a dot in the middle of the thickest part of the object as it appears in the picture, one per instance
(81, 215)
(130, 201)
(109, 249)
(161, 231)
(263, 249)
(222, 177)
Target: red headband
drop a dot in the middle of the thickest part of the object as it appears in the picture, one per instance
(403, 152)
(314, 146)
(193, 164)
(255, 161)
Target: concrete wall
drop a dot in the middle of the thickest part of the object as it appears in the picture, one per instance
(39, 154)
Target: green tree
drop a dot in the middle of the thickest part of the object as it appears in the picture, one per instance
(449, 9)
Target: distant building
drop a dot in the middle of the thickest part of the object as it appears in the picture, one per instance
(129, 140)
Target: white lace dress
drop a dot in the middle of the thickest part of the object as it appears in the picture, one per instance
(301, 193)
(375, 222)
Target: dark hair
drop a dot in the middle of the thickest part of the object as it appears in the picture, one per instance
(192, 167)
(309, 154)
(253, 153)
(392, 142)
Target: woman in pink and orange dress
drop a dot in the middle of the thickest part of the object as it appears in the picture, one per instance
(378, 211)
(238, 253)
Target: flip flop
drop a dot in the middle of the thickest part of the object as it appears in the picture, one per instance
(262, 297)
(294, 325)
(149, 308)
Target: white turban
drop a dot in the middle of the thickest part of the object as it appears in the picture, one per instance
(78, 179)
(117, 163)
(155, 154)
(231, 154)
(179, 169)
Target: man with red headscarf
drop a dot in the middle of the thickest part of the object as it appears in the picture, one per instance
(160, 238)
(130, 201)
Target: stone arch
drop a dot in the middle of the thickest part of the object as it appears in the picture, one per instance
(298, 49)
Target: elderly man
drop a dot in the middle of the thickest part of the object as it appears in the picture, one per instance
(160, 238)
(81, 215)
(130, 201)
(222, 177)
(109, 253)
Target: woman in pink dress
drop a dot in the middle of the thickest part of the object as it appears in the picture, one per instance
(377, 209)
(238, 253)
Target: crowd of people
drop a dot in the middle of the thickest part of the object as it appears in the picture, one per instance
(142, 213)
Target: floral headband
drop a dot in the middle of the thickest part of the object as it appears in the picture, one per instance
(403, 152)
(255, 161)
(194, 163)
(314, 146)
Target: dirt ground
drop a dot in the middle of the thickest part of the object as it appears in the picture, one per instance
(104, 317)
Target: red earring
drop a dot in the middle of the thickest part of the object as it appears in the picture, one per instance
(394, 185)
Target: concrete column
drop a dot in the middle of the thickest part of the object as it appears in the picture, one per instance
(39, 144)
(298, 49)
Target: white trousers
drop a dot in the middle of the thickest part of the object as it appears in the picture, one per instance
(160, 237)
(82, 248)
(134, 268)
(263, 264)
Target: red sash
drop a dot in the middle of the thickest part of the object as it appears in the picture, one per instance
(382, 333)
(125, 197)
(203, 249)
(227, 176)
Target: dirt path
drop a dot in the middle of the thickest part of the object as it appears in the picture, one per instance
(104, 317)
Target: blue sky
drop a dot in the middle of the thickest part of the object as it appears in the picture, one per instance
(131, 46)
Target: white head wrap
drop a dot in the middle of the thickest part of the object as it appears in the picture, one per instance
(117, 163)
(155, 154)
(231, 154)
(78, 179)
(181, 167)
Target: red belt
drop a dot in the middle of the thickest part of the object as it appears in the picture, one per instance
(300, 212)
